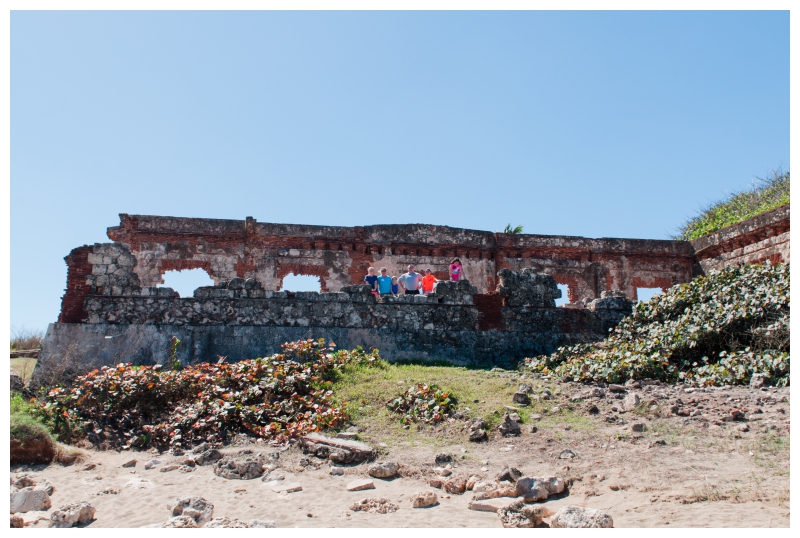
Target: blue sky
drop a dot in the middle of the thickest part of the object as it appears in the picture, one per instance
(600, 124)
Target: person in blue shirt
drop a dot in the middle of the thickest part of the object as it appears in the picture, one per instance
(395, 286)
(384, 283)
(372, 279)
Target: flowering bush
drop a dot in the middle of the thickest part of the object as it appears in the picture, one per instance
(277, 398)
(426, 403)
(719, 329)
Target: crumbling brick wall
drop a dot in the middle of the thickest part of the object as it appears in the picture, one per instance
(755, 240)
(340, 256)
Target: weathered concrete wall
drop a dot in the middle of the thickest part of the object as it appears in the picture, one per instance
(763, 237)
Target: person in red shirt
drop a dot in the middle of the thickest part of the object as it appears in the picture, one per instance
(428, 282)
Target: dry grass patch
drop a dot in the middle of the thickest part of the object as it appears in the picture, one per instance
(23, 367)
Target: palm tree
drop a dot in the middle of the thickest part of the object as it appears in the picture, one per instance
(510, 230)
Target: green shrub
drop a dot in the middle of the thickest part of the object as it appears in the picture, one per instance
(768, 194)
(719, 329)
(425, 403)
(279, 397)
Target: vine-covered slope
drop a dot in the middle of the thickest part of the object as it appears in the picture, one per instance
(716, 330)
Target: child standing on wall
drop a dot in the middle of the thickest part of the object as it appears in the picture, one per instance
(456, 270)
(428, 282)
(372, 280)
(395, 286)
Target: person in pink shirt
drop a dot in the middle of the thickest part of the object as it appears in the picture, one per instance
(456, 270)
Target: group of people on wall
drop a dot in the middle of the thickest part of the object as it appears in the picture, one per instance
(410, 283)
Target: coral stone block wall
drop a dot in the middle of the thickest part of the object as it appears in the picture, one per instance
(753, 241)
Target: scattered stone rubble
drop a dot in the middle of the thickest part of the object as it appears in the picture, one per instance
(762, 409)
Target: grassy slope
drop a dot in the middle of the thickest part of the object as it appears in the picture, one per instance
(367, 390)
(769, 194)
(23, 423)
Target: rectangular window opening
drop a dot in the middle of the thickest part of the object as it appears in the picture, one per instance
(645, 294)
(564, 295)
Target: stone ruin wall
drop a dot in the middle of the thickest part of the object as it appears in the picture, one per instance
(146, 247)
(239, 319)
(113, 309)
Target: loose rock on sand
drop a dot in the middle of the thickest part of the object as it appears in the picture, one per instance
(374, 506)
(423, 499)
(578, 517)
(70, 515)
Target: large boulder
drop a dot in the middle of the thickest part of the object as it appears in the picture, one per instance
(579, 517)
(71, 515)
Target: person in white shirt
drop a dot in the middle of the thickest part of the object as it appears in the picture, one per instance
(411, 281)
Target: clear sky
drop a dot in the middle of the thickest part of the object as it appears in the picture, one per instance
(599, 124)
